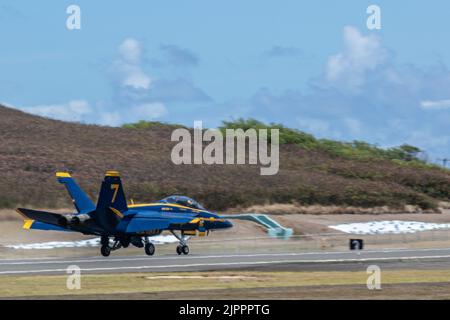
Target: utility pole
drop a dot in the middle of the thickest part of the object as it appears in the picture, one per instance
(444, 161)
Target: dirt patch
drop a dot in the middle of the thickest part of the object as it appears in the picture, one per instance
(9, 215)
(295, 208)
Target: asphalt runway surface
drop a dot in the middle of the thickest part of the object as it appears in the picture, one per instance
(295, 261)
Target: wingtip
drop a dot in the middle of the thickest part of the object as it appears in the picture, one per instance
(27, 224)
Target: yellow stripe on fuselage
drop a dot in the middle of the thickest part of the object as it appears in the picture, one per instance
(164, 204)
(27, 224)
(212, 219)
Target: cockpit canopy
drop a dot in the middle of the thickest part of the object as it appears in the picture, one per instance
(183, 201)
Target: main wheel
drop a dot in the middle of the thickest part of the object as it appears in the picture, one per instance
(185, 250)
(179, 250)
(105, 251)
(149, 249)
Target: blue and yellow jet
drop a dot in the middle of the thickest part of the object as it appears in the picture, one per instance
(120, 224)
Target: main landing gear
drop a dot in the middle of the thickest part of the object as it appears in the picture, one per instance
(105, 251)
(149, 247)
(106, 248)
(144, 242)
(182, 248)
(137, 241)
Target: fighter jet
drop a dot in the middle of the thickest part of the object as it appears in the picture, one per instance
(120, 224)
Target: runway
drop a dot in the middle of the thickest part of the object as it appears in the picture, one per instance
(348, 260)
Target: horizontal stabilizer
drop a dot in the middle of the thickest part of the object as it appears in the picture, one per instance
(36, 225)
(41, 216)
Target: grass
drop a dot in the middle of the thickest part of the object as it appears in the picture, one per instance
(12, 286)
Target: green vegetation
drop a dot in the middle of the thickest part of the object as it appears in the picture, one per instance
(355, 149)
(142, 125)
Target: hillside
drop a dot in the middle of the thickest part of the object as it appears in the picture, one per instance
(32, 149)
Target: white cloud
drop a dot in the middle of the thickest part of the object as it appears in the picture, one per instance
(363, 95)
(131, 50)
(75, 110)
(128, 66)
(132, 101)
(435, 105)
(134, 77)
(362, 54)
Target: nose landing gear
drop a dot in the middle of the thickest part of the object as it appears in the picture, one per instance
(182, 248)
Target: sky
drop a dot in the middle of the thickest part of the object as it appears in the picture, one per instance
(314, 65)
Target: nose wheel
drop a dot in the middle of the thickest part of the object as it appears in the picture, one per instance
(182, 249)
